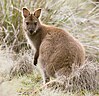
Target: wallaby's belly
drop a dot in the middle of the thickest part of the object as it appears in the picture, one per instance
(59, 57)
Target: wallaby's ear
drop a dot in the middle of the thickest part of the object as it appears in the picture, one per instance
(37, 13)
(26, 12)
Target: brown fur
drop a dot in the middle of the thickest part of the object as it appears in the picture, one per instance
(56, 51)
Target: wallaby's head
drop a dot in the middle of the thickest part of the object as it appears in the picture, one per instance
(31, 20)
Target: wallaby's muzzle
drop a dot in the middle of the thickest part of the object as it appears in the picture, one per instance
(31, 31)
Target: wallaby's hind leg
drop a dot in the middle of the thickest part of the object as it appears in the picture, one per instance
(45, 77)
(65, 71)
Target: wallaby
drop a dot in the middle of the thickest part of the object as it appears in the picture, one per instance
(56, 51)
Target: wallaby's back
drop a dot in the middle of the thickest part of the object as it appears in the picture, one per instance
(59, 51)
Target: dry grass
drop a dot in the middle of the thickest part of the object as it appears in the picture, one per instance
(80, 17)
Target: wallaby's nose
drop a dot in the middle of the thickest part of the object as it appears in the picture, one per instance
(31, 31)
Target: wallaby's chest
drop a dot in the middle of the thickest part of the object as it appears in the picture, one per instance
(34, 40)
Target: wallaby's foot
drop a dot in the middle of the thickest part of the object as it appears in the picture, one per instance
(45, 79)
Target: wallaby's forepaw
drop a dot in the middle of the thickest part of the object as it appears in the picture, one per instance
(35, 62)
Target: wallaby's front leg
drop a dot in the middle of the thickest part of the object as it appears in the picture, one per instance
(36, 57)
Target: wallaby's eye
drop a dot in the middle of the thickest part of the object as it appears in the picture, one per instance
(35, 23)
(27, 23)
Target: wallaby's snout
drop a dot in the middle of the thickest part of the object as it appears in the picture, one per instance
(31, 31)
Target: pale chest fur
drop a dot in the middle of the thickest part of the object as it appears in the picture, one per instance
(30, 41)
